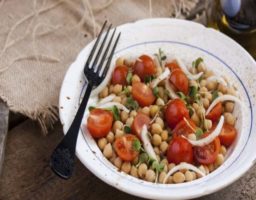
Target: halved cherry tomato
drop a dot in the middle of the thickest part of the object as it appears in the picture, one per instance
(144, 66)
(119, 75)
(180, 81)
(143, 94)
(208, 153)
(179, 150)
(173, 66)
(215, 113)
(182, 128)
(124, 147)
(138, 122)
(99, 122)
(227, 135)
(175, 111)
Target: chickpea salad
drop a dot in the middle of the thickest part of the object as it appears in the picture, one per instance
(162, 121)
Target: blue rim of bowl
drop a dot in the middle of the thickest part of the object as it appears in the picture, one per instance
(195, 47)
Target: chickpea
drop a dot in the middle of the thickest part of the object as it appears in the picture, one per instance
(164, 161)
(222, 88)
(194, 175)
(129, 121)
(108, 151)
(156, 129)
(220, 94)
(124, 116)
(157, 150)
(178, 177)
(119, 133)
(150, 175)
(231, 91)
(126, 167)
(192, 136)
(211, 167)
(170, 166)
(208, 95)
(161, 92)
(142, 170)
(128, 63)
(229, 118)
(153, 110)
(208, 73)
(135, 78)
(117, 89)
(102, 142)
(120, 61)
(207, 124)
(207, 171)
(189, 176)
(123, 100)
(104, 92)
(129, 88)
(193, 83)
(202, 169)
(219, 160)
(170, 179)
(159, 71)
(134, 172)
(113, 157)
(111, 88)
(162, 177)
(118, 162)
(203, 83)
(118, 125)
(223, 150)
(203, 90)
(195, 118)
(163, 146)
(195, 106)
(160, 102)
(156, 140)
(160, 122)
(135, 161)
(110, 137)
(133, 113)
(206, 102)
(164, 135)
(211, 85)
(229, 106)
(201, 67)
(145, 110)
(117, 99)
(201, 111)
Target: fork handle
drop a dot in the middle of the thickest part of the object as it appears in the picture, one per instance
(63, 157)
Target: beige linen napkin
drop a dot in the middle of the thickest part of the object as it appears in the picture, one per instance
(39, 39)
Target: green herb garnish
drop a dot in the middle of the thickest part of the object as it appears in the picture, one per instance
(191, 110)
(131, 104)
(149, 79)
(129, 77)
(155, 91)
(91, 108)
(196, 62)
(199, 132)
(158, 167)
(160, 56)
(182, 95)
(136, 145)
(115, 112)
(126, 91)
(127, 129)
(214, 95)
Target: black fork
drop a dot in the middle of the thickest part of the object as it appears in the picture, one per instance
(95, 70)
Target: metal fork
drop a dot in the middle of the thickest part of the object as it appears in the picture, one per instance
(62, 158)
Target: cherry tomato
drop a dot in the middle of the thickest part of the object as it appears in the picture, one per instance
(138, 123)
(144, 66)
(215, 113)
(208, 153)
(227, 135)
(175, 111)
(99, 122)
(124, 147)
(179, 150)
(173, 66)
(182, 128)
(119, 75)
(180, 81)
(143, 94)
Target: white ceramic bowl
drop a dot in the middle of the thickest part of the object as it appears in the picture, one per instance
(188, 40)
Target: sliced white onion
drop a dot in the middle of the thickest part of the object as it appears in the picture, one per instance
(185, 70)
(111, 104)
(171, 92)
(181, 166)
(107, 99)
(161, 77)
(210, 137)
(222, 98)
(146, 142)
(218, 79)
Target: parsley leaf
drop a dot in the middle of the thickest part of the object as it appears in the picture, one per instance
(131, 104)
(91, 108)
(148, 79)
(127, 129)
(129, 77)
(191, 110)
(214, 95)
(126, 91)
(199, 132)
(143, 158)
(158, 167)
(182, 95)
(136, 145)
(196, 62)
(115, 112)
(155, 91)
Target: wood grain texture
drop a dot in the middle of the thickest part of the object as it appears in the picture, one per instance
(26, 173)
(4, 114)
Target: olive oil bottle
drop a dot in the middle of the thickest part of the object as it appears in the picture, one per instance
(235, 18)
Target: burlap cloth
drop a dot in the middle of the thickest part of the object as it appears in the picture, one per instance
(39, 40)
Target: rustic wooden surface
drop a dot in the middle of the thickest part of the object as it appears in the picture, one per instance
(4, 115)
(26, 173)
